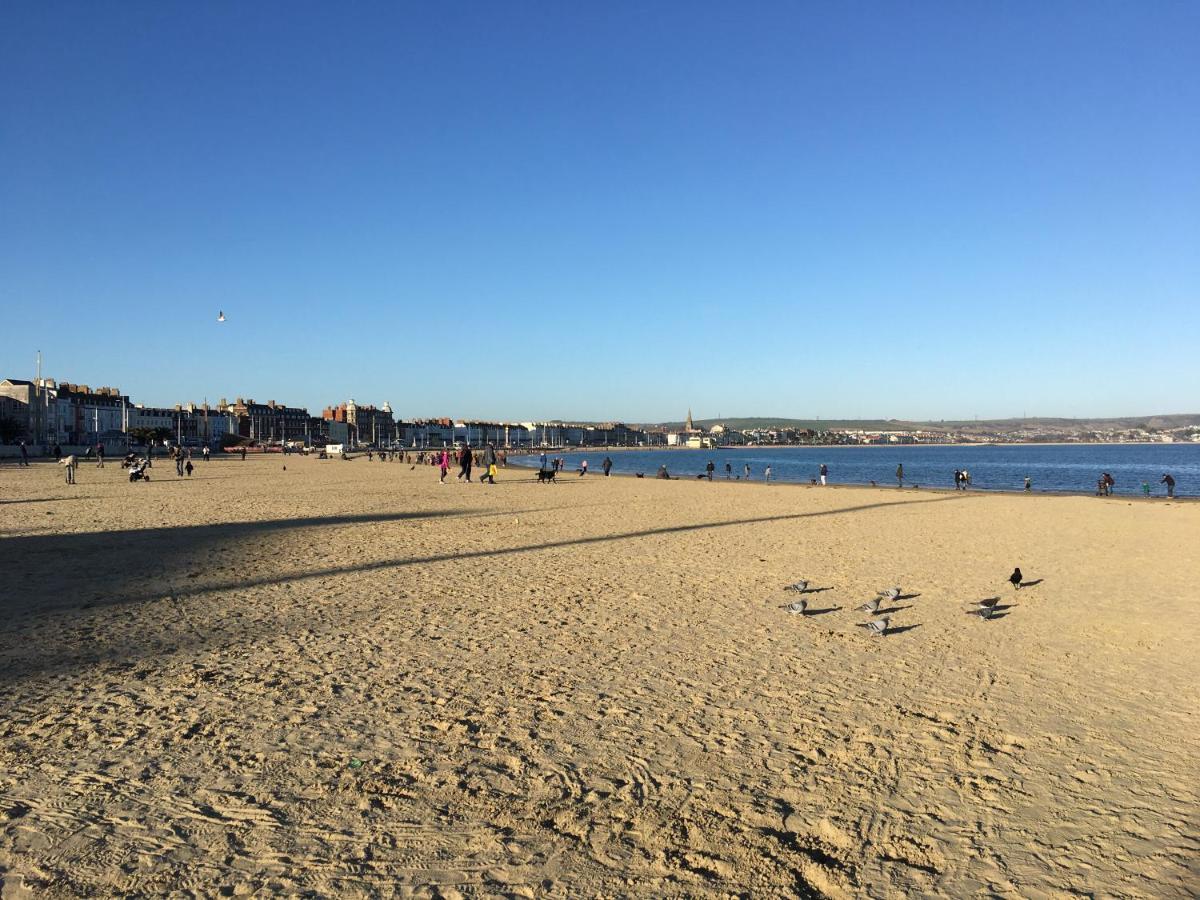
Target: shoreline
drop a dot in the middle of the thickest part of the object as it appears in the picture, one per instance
(856, 485)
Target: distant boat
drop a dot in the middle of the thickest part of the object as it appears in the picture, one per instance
(220, 315)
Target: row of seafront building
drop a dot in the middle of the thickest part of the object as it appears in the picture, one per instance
(45, 412)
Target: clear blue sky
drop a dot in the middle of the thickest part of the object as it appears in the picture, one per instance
(613, 210)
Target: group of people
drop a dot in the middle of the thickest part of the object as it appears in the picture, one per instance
(962, 479)
(487, 459)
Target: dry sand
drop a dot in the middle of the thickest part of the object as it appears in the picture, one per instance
(345, 680)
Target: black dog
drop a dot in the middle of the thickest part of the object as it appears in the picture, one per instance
(546, 476)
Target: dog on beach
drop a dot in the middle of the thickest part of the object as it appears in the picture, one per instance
(545, 476)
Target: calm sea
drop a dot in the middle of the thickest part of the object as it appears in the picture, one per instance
(1071, 467)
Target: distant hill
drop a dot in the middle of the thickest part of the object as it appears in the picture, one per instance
(1152, 423)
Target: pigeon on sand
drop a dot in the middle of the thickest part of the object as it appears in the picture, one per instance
(872, 606)
(987, 603)
(798, 607)
(984, 612)
(890, 593)
(800, 586)
(877, 626)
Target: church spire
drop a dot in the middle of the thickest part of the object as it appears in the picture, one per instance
(690, 426)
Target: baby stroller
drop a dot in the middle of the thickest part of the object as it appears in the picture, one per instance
(137, 471)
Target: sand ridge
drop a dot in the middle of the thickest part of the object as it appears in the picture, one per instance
(343, 678)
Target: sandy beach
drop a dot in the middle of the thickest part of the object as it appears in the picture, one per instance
(342, 679)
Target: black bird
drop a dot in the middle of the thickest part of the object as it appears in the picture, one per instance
(1015, 579)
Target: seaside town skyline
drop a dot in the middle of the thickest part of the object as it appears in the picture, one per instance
(44, 411)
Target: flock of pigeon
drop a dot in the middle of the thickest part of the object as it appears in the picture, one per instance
(987, 608)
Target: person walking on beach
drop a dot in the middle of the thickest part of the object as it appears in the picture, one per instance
(243, 454)
(70, 462)
(206, 453)
(57, 451)
(99, 454)
(606, 466)
(1109, 484)
(709, 469)
(188, 468)
(444, 462)
(958, 479)
(1170, 483)
(728, 470)
(900, 475)
(583, 468)
(464, 464)
(489, 464)
(747, 471)
(543, 463)
(824, 473)
(1028, 484)
(24, 455)
(767, 474)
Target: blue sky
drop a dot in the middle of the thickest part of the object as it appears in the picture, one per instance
(618, 211)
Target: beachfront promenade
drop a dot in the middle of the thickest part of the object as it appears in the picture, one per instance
(342, 678)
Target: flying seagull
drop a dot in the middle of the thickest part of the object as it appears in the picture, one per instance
(220, 315)
(1015, 579)
(800, 586)
(798, 607)
(871, 606)
(876, 626)
(890, 593)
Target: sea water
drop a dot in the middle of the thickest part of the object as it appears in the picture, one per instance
(1071, 468)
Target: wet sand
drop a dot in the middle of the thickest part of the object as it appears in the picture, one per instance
(347, 680)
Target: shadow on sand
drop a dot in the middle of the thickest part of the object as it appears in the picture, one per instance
(120, 568)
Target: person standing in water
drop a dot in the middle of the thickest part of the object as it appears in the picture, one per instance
(900, 475)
